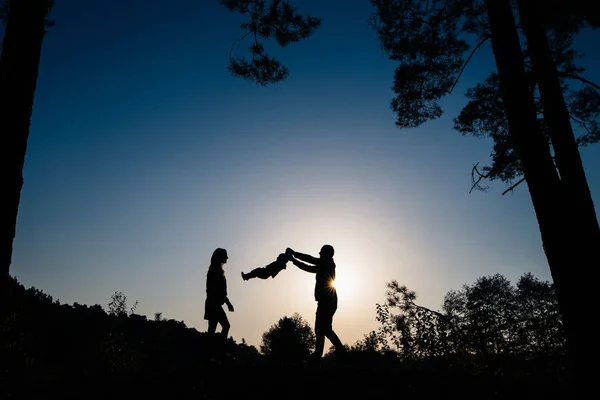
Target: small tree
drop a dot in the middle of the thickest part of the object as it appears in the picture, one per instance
(490, 320)
(118, 305)
(290, 339)
(415, 331)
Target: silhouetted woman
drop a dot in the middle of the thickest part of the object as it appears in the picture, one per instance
(216, 296)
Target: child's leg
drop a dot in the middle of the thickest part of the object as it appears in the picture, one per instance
(261, 273)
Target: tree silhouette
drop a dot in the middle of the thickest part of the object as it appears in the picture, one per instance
(484, 117)
(19, 62)
(540, 329)
(500, 318)
(431, 55)
(275, 18)
(417, 332)
(290, 339)
(427, 38)
(118, 306)
(481, 325)
(52, 348)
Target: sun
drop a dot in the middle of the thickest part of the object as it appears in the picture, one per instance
(344, 283)
(349, 284)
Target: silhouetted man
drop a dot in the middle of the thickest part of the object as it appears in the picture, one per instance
(325, 296)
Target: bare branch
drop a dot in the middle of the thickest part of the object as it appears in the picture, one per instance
(442, 316)
(581, 123)
(581, 79)
(467, 61)
(237, 42)
(255, 43)
(481, 176)
(513, 186)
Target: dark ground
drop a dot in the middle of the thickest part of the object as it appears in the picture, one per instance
(236, 380)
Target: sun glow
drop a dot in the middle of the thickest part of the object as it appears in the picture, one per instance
(344, 283)
(350, 284)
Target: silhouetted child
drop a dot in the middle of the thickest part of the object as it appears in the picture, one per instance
(270, 270)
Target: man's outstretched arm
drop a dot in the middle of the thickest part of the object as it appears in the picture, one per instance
(305, 267)
(301, 256)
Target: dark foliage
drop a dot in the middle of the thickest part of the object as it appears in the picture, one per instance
(52, 350)
(273, 19)
(424, 38)
(430, 40)
(45, 340)
(488, 327)
(290, 339)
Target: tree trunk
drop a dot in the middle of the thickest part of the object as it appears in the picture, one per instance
(584, 232)
(553, 211)
(556, 113)
(19, 63)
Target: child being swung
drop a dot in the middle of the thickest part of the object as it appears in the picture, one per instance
(270, 270)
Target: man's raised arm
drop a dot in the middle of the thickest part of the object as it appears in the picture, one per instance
(301, 256)
(305, 267)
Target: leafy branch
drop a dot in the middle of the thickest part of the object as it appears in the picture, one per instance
(279, 20)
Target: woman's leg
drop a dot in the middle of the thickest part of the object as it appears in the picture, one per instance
(225, 326)
(212, 328)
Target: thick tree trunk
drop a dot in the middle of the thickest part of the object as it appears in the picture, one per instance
(553, 210)
(584, 232)
(19, 62)
(556, 113)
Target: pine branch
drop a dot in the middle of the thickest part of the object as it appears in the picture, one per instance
(467, 61)
(581, 79)
(513, 186)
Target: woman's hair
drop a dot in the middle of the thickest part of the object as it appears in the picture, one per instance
(219, 256)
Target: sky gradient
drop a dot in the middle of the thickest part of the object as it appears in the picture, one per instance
(145, 155)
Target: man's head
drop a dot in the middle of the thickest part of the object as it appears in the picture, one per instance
(326, 251)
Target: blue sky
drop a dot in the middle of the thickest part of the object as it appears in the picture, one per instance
(145, 155)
